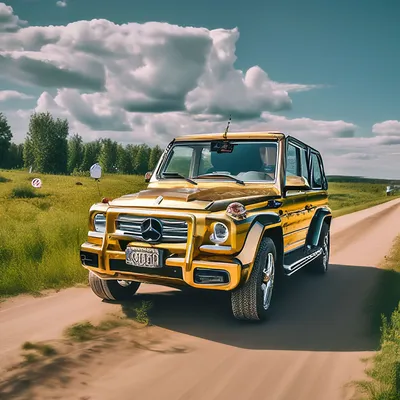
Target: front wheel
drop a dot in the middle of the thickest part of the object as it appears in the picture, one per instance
(252, 300)
(112, 289)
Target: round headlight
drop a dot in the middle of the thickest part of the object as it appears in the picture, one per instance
(100, 223)
(220, 234)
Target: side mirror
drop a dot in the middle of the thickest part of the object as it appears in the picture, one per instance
(297, 183)
(148, 176)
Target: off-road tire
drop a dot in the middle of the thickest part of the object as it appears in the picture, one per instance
(247, 300)
(111, 289)
(321, 265)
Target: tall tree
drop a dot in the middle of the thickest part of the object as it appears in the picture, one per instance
(5, 139)
(14, 158)
(123, 160)
(108, 155)
(48, 140)
(60, 146)
(91, 154)
(142, 159)
(29, 159)
(75, 153)
(155, 155)
(132, 150)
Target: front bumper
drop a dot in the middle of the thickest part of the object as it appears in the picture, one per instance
(175, 270)
(183, 263)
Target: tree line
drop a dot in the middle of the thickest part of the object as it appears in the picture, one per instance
(49, 148)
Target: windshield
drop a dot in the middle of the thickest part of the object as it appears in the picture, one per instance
(248, 161)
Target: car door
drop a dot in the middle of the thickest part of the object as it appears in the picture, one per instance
(295, 219)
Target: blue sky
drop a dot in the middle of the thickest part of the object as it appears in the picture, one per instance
(351, 47)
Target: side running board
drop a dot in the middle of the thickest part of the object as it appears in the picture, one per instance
(302, 262)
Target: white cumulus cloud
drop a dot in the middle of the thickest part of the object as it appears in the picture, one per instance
(388, 128)
(150, 67)
(9, 22)
(153, 81)
(61, 3)
(6, 95)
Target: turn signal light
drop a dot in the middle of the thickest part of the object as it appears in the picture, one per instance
(236, 211)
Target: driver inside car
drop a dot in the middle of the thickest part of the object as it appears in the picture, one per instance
(268, 158)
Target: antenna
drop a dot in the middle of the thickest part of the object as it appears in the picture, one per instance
(227, 127)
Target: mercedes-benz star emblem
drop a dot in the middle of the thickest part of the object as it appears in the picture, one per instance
(151, 230)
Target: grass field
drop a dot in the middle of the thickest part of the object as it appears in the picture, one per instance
(40, 236)
(345, 198)
(383, 375)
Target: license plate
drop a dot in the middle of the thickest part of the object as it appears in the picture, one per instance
(143, 257)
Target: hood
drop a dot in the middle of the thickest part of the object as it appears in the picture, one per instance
(205, 198)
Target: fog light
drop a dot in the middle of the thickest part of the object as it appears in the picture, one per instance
(210, 276)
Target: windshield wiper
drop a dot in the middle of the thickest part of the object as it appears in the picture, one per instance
(213, 175)
(177, 175)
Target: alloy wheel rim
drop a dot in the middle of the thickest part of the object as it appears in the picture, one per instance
(268, 281)
(325, 252)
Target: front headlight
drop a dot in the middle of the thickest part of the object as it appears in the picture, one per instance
(99, 222)
(220, 233)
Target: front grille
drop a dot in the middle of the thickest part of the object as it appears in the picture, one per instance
(173, 230)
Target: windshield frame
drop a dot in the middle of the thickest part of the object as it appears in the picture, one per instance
(205, 143)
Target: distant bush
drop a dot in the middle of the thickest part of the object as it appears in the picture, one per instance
(4, 180)
(80, 173)
(25, 192)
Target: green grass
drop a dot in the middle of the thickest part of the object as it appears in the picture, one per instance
(40, 236)
(84, 331)
(345, 198)
(383, 376)
(80, 332)
(3, 179)
(42, 229)
(43, 349)
(25, 192)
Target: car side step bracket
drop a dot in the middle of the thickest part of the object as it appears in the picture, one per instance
(299, 258)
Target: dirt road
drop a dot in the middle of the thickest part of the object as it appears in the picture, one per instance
(309, 349)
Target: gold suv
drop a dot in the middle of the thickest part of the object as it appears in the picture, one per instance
(233, 212)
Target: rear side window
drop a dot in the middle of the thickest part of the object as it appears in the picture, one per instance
(304, 166)
(292, 160)
(316, 176)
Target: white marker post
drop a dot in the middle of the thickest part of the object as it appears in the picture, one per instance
(36, 183)
(95, 173)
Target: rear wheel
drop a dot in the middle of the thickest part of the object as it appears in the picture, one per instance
(252, 300)
(321, 264)
(112, 289)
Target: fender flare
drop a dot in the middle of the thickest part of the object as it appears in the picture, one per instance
(259, 225)
(322, 215)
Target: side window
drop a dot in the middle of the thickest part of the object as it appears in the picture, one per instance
(316, 172)
(304, 166)
(292, 161)
(180, 160)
